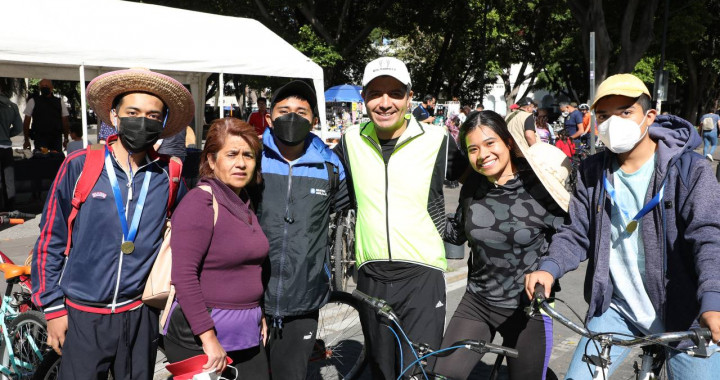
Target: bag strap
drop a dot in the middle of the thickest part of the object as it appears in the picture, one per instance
(214, 204)
(175, 172)
(94, 162)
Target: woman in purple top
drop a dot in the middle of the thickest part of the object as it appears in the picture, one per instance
(217, 265)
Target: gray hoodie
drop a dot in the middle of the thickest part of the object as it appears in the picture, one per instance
(681, 235)
(9, 115)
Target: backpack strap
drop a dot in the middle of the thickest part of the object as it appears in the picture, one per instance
(94, 162)
(174, 172)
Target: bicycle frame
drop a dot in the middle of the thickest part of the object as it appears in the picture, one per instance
(423, 351)
(9, 310)
(606, 341)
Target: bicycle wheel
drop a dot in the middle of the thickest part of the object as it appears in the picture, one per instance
(48, 368)
(338, 255)
(339, 351)
(28, 335)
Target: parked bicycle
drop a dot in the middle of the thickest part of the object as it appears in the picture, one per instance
(653, 346)
(342, 250)
(422, 351)
(339, 351)
(23, 327)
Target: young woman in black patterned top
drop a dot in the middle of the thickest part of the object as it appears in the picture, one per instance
(507, 217)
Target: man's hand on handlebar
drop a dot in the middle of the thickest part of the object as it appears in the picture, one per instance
(711, 320)
(538, 277)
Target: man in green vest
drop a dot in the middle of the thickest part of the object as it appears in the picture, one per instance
(397, 166)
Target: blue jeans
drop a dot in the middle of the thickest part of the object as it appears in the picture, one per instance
(711, 141)
(679, 365)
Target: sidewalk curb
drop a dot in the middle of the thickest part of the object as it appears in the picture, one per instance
(459, 274)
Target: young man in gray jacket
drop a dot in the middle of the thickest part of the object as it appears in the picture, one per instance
(644, 215)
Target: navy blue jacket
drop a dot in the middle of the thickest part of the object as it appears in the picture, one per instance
(682, 248)
(96, 276)
(294, 213)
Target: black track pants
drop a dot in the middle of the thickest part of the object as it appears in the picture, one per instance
(474, 319)
(96, 343)
(419, 302)
(289, 347)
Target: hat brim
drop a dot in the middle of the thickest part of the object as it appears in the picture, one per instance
(628, 93)
(556, 189)
(105, 88)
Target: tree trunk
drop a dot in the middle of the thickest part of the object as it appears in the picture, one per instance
(631, 51)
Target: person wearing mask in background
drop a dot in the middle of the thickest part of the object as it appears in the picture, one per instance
(644, 216)
(258, 119)
(10, 126)
(303, 183)
(709, 124)
(49, 117)
(95, 317)
(424, 112)
(208, 261)
(573, 122)
(397, 167)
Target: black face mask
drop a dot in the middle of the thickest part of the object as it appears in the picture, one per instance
(291, 128)
(138, 134)
(45, 91)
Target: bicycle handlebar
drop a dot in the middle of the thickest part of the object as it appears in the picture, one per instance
(381, 306)
(9, 220)
(17, 215)
(698, 336)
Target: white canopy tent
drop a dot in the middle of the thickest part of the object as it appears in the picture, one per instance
(81, 39)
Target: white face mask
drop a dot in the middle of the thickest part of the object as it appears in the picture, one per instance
(620, 135)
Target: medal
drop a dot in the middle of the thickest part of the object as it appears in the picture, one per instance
(127, 247)
(631, 227)
(129, 232)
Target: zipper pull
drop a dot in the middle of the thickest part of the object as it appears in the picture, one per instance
(277, 322)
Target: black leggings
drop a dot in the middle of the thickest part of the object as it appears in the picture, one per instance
(474, 319)
(250, 363)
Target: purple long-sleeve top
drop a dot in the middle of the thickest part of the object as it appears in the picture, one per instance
(216, 266)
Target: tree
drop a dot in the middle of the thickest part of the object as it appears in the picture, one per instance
(634, 32)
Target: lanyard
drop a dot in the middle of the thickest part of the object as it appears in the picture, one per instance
(128, 234)
(632, 225)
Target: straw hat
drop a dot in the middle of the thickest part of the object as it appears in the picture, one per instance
(102, 91)
(552, 167)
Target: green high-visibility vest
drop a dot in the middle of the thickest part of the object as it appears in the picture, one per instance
(396, 218)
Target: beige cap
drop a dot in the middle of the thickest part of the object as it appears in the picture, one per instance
(621, 84)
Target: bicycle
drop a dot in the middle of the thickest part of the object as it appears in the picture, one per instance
(653, 346)
(422, 351)
(339, 351)
(342, 250)
(23, 327)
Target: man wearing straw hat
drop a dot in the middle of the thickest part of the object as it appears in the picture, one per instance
(90, 289)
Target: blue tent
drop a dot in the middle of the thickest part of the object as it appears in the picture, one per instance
(343, 93)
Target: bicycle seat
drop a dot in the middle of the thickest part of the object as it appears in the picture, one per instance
(11, 270)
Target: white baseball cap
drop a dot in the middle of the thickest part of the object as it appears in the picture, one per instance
(386, 66)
